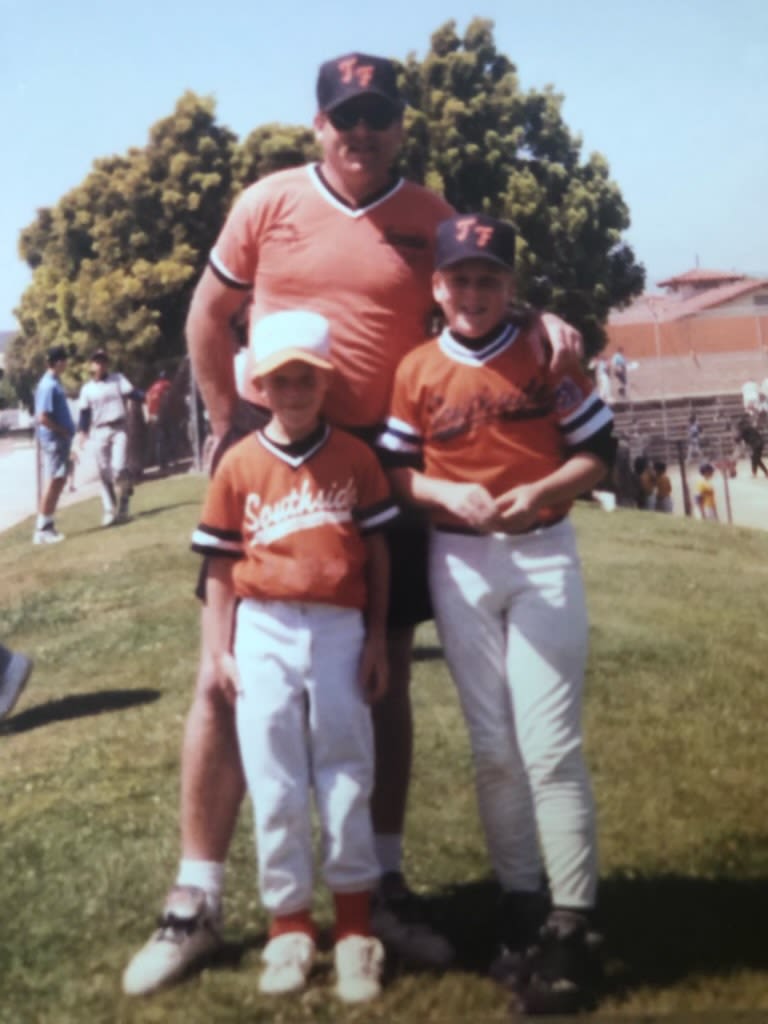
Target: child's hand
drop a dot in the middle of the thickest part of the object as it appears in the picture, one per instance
(471, 503)
(518, 509)
(373, 671)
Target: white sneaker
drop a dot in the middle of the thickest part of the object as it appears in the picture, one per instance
(108, 519)
(12, 681)
(288, 958)
(187, 933)
(359, 963)
(48, 535)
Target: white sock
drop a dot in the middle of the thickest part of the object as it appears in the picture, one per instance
(207, 875)
(44, 521)
(389, 851)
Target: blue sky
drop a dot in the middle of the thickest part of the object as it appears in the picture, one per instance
(673, 92)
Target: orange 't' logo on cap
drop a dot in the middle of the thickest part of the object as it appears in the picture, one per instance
(349, 69)
(483, 232)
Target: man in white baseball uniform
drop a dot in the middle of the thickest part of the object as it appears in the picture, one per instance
(103, 420)
(506, 444)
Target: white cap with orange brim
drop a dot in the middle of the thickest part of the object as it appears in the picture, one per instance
(281, 338)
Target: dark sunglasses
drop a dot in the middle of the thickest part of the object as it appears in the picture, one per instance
(377, 116)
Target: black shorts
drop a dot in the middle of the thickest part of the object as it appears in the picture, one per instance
(409, 600)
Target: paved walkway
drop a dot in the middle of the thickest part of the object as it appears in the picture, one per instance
(18, 482)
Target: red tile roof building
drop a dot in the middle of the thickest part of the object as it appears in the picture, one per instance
(707, 334)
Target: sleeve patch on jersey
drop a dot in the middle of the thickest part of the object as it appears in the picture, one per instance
(568, 397)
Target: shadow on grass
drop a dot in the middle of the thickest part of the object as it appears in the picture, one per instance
(657, 930)
(77, 705)
(146, 513)
(427, 652)
(159, 509)
(661, 929)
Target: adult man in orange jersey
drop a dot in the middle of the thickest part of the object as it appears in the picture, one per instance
(349, 239)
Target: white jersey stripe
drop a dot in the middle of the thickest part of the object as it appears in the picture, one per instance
(226, 274)
(470, 357)
(391, 442)
(212, 544)
(385, 516)
(590, 400)
(587, 429)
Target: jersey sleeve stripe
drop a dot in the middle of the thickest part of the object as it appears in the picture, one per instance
(208, 552)
(602, 444)
(368, 523)
(221, 542)
(399, 436)
(377, 516)
(582, 411)
(224, 275)
(584, 428)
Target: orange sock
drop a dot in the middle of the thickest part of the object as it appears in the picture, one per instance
(300, 921)
(353, 914)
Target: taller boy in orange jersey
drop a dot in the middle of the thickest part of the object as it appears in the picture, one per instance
(496, 445)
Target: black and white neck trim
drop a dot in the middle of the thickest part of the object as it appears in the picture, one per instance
(320, 182)
(296, 453)
(472, 355)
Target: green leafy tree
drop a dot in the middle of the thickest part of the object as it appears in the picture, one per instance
(489, 146)
(8, 397)
(272, 147)
(115, 261)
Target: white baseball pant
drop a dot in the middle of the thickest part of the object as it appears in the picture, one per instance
(512, 620)
(110, 444)
(302, 722)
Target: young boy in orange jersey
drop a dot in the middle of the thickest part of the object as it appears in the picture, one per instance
(496, 446)
(299, 571)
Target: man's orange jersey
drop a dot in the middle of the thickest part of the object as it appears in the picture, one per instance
(296, 522)
(297, 245)
(497, 415)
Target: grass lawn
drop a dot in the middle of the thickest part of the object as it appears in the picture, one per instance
(677, 734)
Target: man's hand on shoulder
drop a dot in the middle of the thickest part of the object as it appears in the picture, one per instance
(567, 343)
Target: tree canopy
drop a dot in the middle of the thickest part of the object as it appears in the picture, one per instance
(115, 261)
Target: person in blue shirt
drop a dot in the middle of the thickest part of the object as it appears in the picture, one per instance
(55, 430)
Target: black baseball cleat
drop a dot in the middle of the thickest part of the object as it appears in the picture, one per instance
(521, 916)
(399, 922)
(561, 973)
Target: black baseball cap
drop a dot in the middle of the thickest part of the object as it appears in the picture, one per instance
(56, 354)
(474, 236)
(357, 74)
(99, 356)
